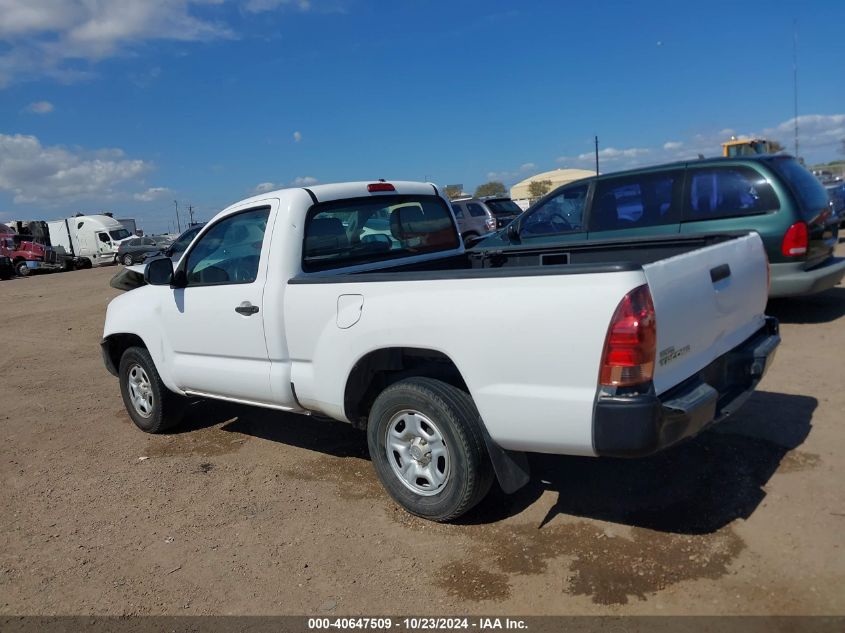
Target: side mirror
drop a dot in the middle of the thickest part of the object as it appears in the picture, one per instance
(159, 272)
(513, 232)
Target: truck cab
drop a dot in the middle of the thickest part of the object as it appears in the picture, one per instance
(27, 254)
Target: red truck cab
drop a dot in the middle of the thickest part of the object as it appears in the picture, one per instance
(26, 254)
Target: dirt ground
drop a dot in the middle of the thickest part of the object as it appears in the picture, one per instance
(245, 511)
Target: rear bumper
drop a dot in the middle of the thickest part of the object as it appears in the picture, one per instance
(791, 280)
(636, 426)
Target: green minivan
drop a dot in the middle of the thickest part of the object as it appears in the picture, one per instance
(773, 195)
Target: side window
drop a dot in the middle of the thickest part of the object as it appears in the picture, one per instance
(148, 242)
(647, 200)
(723, 192)
(459, 212)
(562, 213)
(229, 251)
(104, 237)
(475, 210)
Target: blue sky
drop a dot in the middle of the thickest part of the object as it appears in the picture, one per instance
(127, 106)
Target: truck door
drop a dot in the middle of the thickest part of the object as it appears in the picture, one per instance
(214, 325)
(105, 248)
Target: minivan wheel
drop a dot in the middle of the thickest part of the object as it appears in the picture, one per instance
(151, 405)
(127, 260)
(426, 445)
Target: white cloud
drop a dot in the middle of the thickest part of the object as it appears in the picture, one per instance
(264, 187)
(153, 193)
(32, 172)
(260, 6)
(510, 177)
(814, 130)
(40, 107)
(303, 181)
(49, 38)
(297, 136)
(672, 145)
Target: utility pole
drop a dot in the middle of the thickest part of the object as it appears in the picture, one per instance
(597, 155)
(795, 77)
(178, 223)
(191, 213)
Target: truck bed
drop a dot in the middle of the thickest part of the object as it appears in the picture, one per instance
(597, 256)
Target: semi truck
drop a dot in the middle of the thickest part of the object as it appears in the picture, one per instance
(92, 240)
(27, 251)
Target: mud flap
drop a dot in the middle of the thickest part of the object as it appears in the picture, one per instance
(511, 467)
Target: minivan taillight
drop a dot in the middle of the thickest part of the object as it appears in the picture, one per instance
(631, 343)
(795, 240)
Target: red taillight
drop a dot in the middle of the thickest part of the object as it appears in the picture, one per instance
(629, 349)
(795, 240)
(380, 186)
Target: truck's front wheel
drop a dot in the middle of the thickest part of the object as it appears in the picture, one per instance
(427, 448)
(21, 269)
(151, 405)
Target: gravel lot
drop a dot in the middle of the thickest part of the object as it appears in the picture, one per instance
(245, 511)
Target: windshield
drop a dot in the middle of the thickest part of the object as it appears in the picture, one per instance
(119, 234)
(503, 207)
(811, 195)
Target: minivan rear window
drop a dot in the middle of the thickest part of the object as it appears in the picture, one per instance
(727, 191)
(811, 194)
(503, 207)
(366, 230)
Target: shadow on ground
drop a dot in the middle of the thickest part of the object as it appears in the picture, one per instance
(821, 308)
(694, 488)
(697, 487)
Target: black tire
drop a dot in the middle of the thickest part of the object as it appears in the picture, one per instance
(167, 407)
(21, 269)
(470, 473)
(127, 260)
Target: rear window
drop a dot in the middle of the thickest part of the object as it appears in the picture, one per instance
(366, 230)
(503, 207)
(475, 210)
(810, 193)
(726, 192)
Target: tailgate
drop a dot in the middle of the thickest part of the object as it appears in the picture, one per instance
(706, 302)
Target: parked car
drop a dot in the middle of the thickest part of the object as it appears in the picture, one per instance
(175, 250)
(479, 216)
(836, 193)
(135, 250)
(772, 195)
(283, 301)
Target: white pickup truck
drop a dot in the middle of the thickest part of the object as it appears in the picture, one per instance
(358, 301)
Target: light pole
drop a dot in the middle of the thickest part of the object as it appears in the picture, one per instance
(178, 223)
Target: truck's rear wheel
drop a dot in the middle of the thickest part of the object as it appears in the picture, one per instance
(21, 269)
(426, 445)
(152, 406)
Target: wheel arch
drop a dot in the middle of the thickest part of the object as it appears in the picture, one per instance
(380, 368)
(114, 345)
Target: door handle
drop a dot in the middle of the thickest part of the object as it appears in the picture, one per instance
(720, 272)
(246, 308)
